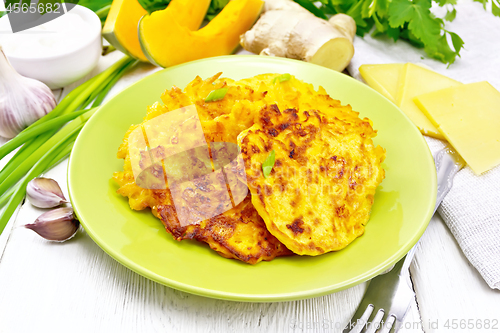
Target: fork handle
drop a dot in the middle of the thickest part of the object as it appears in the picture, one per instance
(448, 163)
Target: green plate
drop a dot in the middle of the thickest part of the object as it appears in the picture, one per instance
(404, 202)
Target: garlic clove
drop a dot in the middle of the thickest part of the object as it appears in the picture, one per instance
(44, 193)
(22, 100)
(56, 225)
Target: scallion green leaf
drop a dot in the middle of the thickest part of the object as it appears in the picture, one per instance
(20, 189)
(268, 164)
(44, 143)
(216, 95)
(57, 159)
(103, 12)
(112, 82)
(37, 130)
(75, 100)
(25, 165)
(282, 78)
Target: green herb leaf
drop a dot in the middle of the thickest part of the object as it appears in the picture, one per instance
(394, 33)
(93, 5)
(154, 5)
(441, 51)
(495, 8)
(216, 95)
(410, 20)
(401, 12)
(380, 8)
(450, 15)
(215, 8)
(445, 2)
(458, 43)
(484, 2)
(282, 78)
(312, 8)
(268, 164)
(423, 26)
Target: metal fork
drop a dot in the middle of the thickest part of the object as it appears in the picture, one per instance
(388, 296)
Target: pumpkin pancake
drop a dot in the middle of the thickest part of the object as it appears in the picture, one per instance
(229, 224)
(319, 193)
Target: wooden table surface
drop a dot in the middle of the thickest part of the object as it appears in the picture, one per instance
(76, 287)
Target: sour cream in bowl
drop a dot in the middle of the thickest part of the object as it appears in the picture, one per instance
(57, 52)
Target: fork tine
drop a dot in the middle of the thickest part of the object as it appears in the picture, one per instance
(374, 322)
(397, 324)
(388, 324)
(355, 325)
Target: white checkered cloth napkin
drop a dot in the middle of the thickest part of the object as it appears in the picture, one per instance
(472, 207)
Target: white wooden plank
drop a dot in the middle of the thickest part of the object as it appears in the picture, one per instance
(448, 287)
(6, 232)
(4, 237)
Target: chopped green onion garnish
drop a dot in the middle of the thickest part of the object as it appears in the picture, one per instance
(268, 164)
(216, 95)
(282, 78)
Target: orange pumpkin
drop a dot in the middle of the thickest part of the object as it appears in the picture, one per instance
(120, 28)
(167, 42)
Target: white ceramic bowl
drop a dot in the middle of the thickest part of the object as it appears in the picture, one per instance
(72, 64)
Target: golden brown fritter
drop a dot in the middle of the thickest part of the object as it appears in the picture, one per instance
(236, 232)
(319, 193)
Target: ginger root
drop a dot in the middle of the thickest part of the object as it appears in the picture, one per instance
(288, 30)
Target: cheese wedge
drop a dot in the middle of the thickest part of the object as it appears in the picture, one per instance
(469, 118)
(384, 78)
(416, 80)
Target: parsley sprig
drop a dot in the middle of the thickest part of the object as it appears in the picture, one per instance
(410, 20)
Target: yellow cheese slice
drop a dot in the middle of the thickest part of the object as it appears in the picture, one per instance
(416, 80)
(384, 78)
(469, 118)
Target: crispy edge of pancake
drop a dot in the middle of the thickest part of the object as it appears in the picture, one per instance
(239, 233)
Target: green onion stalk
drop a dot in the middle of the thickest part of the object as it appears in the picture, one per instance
(50, 139)
(39, 166)
(75, 100)
(58, 159)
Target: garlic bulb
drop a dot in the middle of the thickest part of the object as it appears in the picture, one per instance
(44, 193)
(56, 225)
(22, 100)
